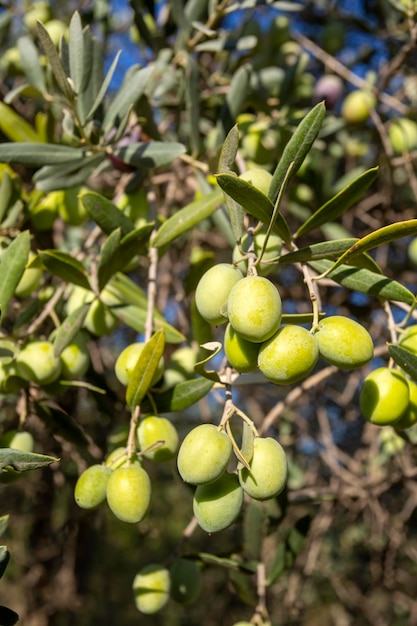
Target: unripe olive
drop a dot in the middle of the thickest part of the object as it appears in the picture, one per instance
(56, 30)
(216, 505)
(151, 588)
(154, 430)
(259, 178)
(402, 133)
(18, 440)
(272, 252)
(408, 339)
(410, 416)
(30, 280)
(129, 493)
(213, 291)
(412, 250)
(241, 354)
(44, 213)
(127, 360)
(254, 308)
(37, 363)
(91, 486)
(180, 367)
(268, 470)
(75, 359)
(357, 105)
(185, 581)
(344, 342)
(99, 320)
(289, 356)
(384, 397)
(71, 209)
(204, 454)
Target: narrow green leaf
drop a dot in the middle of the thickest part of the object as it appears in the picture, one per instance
(149, 154)
(324, 250)
(141, 378)
(37, 154)
(12, 266)
(7, 193)
(404, 358)
(226, 160)
(214, 347)
(132, 88)
(135, 317)
(14, 126)
(181, 396)
(229, 151)
(379, 237)
(31, 64)
(79, 63)
(186, 218)
(104, 87)
(8, 617)
(253, 525)
(365, 281)
(233, 563)
(65, 266)
(254, 202)
(340, 203)
(116, 254)
(4, 560)
(105, 214)
(297, 148)
(66, 175)
(248, 439)
(69, 328)
(237, 93)
(23, 461)
(55, 62)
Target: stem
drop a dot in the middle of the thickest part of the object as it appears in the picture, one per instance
(131, 440)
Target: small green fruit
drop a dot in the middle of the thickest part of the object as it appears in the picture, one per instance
(157, 438)
(384, 397)
(118, 458)
(185, 581)
(91, 486)
(216, 505)
(412, 251)
(268, 470)
(18, 440)
(71, 209)
(259, 178)
(44, 213)
(241, 354)
(37, 363)
(271, 253)
(213, 291)
(402, 134)
(254, 308)
(357, 105)
(289, 356)
(30, 280)
(127, 360)
(344, 342)
(151, 588)
(204, 454)
(129, 493)
(75, 359)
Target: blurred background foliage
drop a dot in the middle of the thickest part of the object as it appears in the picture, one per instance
(342, 545)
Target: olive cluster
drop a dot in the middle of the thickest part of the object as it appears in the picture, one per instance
(36, 362)
(388, 396)
(121, 479)
(255, 338)
(203, 460)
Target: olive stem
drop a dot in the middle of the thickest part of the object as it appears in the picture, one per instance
(131, 440)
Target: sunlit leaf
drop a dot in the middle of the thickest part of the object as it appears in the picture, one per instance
(297, 148)
(141, 377)
(132, 88)
(316, 251)
(69, 328)
(340, 203)
(365, 281)
(253, 202)
(149, 154)
(186, 218)
(14, 126)
(214, 347)
(104, 86)
(55, 62)
(12, 266)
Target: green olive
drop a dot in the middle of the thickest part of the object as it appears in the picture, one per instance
(204, 454)
(216, 505)
(289, 356)
(91, 486)
(129, 493)
(267, 476)
(151, 588)
(157, 438)
(127, 360)
(241, 354)
(384, 397)
(213, 291)
(344, 342)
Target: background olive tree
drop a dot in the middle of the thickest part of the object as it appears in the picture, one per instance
(118, 190)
